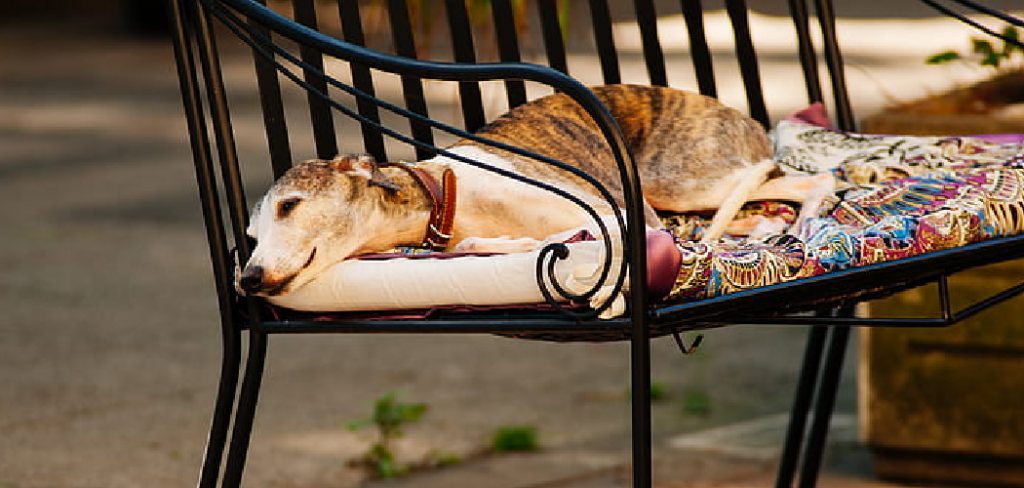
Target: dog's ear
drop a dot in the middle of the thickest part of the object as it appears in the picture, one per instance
(364, 166)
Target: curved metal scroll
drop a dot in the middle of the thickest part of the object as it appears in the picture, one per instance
(632, 237)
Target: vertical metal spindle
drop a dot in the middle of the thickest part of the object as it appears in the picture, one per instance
(319, 111)
(737, 10)
(834, 61)
(412, 87)
(199, 140)
(273, 108)
(824, 404)
(554, 42)
(601, 18)
(640, 374)
(245, 412)
(809, 369)
(700, 53)
(647, 20)
(462, 44)
(352, 30)
(808, 59)
(227, 153)
(508, 47)
(215, 237)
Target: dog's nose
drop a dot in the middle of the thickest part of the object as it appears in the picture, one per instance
(252, 279)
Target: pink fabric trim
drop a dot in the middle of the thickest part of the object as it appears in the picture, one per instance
(1001, 138)
(663, 262)
(815, 114)
(384, 256)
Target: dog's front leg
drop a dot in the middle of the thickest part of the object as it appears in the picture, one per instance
(503, 245)
(810, 190)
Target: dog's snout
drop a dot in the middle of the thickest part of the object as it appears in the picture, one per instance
(252, 279)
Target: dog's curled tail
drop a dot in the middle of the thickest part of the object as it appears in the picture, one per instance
(752, 178)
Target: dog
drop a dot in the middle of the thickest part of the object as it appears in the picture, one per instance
(692, 152)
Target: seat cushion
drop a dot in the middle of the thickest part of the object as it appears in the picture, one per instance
(899, 196)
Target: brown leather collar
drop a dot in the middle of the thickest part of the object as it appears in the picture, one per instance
(442, 204)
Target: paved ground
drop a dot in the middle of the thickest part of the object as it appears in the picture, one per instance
(110, 345)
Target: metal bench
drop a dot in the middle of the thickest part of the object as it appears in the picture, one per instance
(293, 51)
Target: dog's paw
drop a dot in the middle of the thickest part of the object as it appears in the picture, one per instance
(769, 226)
(757, 226)
(497, 244)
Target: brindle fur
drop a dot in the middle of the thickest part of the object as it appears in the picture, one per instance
(684, 143)
(692, 152)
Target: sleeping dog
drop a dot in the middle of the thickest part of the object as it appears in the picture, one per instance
(692, 152)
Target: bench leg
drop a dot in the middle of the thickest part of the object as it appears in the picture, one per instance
(230, 362)
(640, 369)
(824, 403)
(801, 405)
(247, 398)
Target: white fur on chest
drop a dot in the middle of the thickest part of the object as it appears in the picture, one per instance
(499, 202)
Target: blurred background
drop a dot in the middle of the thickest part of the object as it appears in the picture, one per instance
(109, 341)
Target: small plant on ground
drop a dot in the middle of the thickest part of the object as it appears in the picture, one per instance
(390, 416)
(696, 401)
(515, 438)
(659, 392)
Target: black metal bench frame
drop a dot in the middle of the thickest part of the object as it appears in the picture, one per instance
(829, 296)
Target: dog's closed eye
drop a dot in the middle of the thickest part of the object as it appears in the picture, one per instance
(285, 207)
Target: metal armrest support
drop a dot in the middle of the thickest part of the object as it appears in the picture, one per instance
(630, 228)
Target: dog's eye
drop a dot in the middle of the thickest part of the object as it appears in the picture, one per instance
(286, 206)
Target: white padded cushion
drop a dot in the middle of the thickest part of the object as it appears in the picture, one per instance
(422, 283)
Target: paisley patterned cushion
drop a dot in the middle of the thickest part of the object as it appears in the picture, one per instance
(899, 197)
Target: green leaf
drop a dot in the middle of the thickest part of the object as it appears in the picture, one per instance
(383, 462)
(696, 402)
(992, 59)
(390, 415)
(515, 438)
(411, 412)
(982, 47)
(989, 55)
(943, 57)
(659, 392)
(388, 469)
(1010, 32)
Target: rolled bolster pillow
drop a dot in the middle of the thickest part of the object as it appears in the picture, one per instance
(402, 282)
(663, 262)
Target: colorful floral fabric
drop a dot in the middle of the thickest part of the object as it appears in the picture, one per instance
(899, 197)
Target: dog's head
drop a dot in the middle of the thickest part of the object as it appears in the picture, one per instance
(317, 214)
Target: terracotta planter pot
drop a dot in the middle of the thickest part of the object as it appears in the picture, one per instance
(929, 125)
(947, 405)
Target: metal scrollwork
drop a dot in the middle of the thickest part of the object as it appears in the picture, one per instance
(227, 12)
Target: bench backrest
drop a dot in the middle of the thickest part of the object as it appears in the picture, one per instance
(550, 32)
